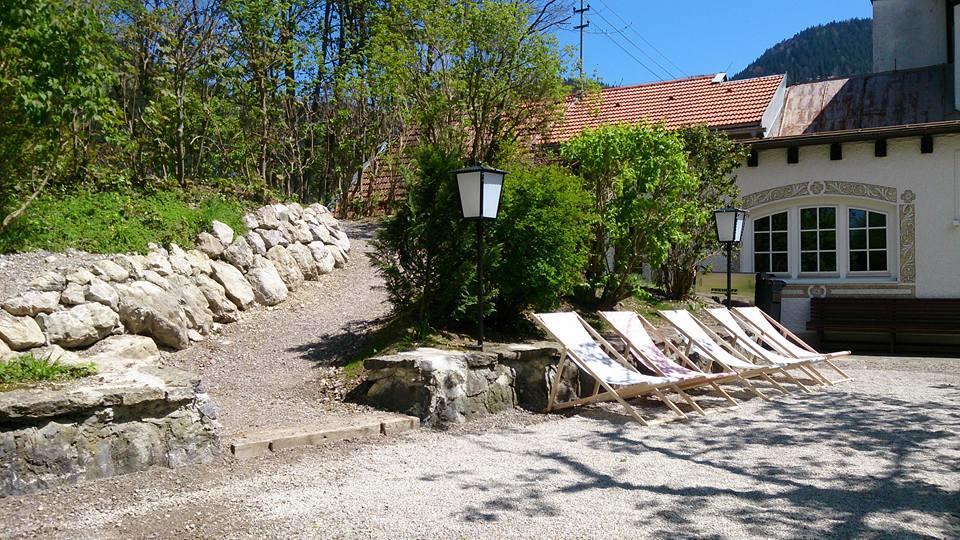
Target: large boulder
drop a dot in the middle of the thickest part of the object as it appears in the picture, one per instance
(159, 262)
(32, 303)
(194, 304)
(236, 286)
(80, 326)
(120, 352)
(341, 259)
(20, 333)
(267, 218)
(110, 271)
(224, 311)
(73, 295)
(179, 261)
(49, 281)
(267, 284)
(157, 280)
(305, 260)
(282, 212)
(135, 265)
(79, 276)
(286, 266)
(5, 350)
(324, 257)
(210, 244)
(101, 292)
(289, 232)
(295, 210)
(272, 237)
(199, 261)
(147, 309)
(250, 222)
(256, 243)
(321, 233)
(342, 241)
(302, 233)
(222, 231)
(239, 254)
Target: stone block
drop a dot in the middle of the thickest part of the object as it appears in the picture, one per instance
(243, 449)
(394, 425)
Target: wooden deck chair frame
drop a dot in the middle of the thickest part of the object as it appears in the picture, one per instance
(680, 359)
(826, 358)
(621, 395)
(751, 350)
(762, 372)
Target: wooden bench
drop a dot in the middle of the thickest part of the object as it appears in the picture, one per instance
(889, 316)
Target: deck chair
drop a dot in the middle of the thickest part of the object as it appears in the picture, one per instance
(777, 337)
(635, 332)
(747, 345)
(620, 381)
(701, 339)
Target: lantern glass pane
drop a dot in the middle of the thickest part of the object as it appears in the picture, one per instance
(469, 185)
(492, 185)
(738, 232)
(726, 225)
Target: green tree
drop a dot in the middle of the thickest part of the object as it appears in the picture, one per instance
(55, 77)
(713, 157)
(637, 176)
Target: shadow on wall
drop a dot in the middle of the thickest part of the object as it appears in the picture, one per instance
(866, 458)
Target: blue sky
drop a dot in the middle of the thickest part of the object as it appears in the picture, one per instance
(695, 37)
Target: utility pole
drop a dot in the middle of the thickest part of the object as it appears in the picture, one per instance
(581, 27)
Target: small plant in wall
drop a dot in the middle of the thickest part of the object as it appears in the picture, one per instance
(28, 369)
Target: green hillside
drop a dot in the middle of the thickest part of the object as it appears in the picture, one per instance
(837, 49)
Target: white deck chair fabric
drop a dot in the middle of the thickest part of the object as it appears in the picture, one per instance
(628, 324)
(568, 329)
(702, 341)
(756, 318)
(727, 320)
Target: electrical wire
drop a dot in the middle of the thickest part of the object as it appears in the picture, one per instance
(629, 25)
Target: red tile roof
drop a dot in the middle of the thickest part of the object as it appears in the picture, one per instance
(695, 100)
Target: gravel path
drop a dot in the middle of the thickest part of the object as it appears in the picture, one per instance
(875, 457)
(277, 367)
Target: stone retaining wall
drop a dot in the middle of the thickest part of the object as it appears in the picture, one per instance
(173, 295)
(440, 386)
(131, 416)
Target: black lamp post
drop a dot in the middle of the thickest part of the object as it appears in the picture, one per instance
(729, 222)
(481, 189)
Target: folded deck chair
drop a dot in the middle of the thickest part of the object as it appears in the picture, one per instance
(776, 336)
(587, 349)
(701, 339)
(748, 346)
(634, 330)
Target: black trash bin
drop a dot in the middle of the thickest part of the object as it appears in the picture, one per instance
(768, 294)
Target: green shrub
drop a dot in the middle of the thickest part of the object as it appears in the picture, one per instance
(111, 222)
(534, 253)
(542, 231)
(28, 368)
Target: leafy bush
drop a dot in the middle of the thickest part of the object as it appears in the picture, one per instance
(542, 234)
(115, 222)
(637, 176)
(535, 252)
(28, 368)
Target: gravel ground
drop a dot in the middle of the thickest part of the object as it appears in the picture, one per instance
(875, 457)
(278, 367)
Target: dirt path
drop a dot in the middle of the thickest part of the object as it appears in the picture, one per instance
(875, 457)
(277, 366)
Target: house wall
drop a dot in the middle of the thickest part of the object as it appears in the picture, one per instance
(909, 34)
(920, 193)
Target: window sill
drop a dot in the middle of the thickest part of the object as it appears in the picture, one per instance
(835, 279)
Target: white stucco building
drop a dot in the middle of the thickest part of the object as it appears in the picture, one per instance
(855, 191)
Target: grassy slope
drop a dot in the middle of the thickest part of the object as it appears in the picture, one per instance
(115, 222)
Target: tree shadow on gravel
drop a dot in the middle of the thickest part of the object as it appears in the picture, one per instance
(870, 470)
(355, 340)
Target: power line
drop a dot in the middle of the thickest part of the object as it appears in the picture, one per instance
(637, 47)
(651, 45)
(630, 54)
(581, 28)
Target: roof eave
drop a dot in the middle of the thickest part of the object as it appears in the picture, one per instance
(857, 135)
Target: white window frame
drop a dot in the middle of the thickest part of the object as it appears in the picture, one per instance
(843, 205)
(770, 252)
(836, 251)
(887, 218)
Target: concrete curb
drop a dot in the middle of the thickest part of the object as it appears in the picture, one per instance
(264, 443)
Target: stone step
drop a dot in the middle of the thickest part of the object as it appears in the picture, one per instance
(265, 442)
